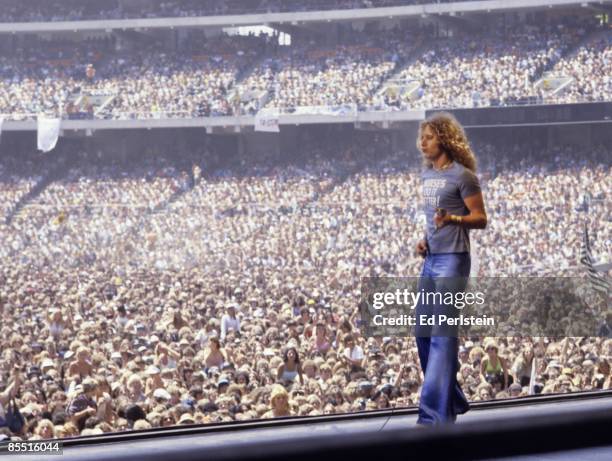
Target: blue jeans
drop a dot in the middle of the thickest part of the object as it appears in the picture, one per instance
(441, 396)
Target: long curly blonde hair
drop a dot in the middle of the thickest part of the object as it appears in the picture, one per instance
(451, 137)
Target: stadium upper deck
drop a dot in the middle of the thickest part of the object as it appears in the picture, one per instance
(73, 15)
(372, 70)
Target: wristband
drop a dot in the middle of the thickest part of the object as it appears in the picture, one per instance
(456, 219)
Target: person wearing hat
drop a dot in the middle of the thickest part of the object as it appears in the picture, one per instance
(117, 358)
(46, 365)
(154, 380)
(222, 384)
(161, 395)
(186, 418)
(453, 204)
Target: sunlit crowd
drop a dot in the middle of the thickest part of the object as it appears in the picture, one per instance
(173, 290)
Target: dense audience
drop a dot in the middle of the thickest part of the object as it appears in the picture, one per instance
(496, 69)
(342, 75)
(242, 74)
(167, 87)
(151, 291)
(17, 178)
(307, 75)
(150, 84)
(589, 69)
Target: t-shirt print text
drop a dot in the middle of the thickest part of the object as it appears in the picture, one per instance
(430, 191)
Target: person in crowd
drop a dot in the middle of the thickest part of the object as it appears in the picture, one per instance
(523, 366)
(215, 357)
(279, 403)
(353, 356)
(321, 343)
(229, 321)
(493, 367)
(291, 367)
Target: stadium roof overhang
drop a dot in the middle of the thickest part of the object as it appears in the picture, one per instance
(485, 117)
(237, 123)
(424, 10)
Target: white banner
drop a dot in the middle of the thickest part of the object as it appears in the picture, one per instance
(267, 121)
(1, 123)
(339, 110)
(48, 133)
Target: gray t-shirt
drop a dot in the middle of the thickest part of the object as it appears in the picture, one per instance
(447, 189)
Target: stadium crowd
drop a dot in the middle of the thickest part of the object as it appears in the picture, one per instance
(498, 68)
(589, 68)
(239, 75)
(17, 178)
(148, 85)
(195, 289)
(343, 75)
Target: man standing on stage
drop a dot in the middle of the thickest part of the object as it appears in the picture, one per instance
(453, 204)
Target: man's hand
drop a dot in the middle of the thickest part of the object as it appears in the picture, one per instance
(441, 218)
(421, 248)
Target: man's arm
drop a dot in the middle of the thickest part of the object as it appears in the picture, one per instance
(475, 219)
